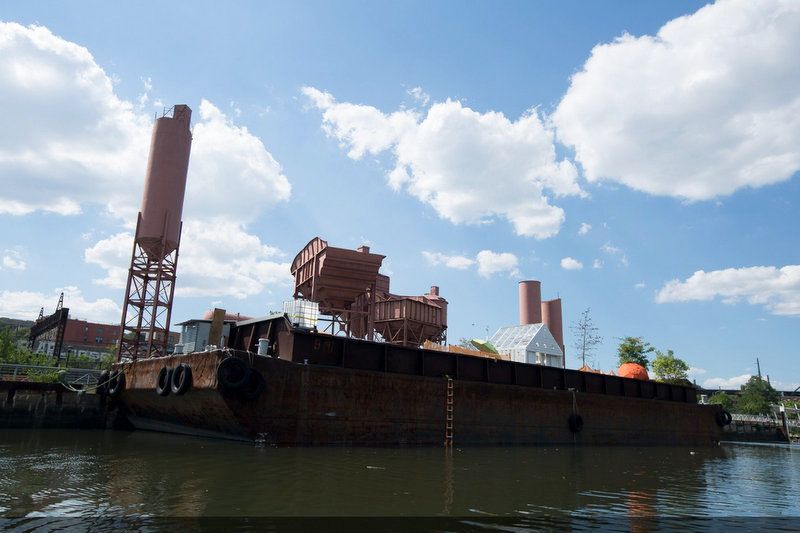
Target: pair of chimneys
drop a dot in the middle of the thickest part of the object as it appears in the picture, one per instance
(532, 310)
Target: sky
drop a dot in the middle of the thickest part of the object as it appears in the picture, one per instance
(640, 159)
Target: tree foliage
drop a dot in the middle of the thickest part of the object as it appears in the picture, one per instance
(670, 369)
(727, 401)
(634, 350)
(757, 397)
(586, 338)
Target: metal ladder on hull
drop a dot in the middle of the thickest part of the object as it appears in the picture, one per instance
(448, 424)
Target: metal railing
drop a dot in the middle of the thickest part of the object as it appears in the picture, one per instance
(72, 376)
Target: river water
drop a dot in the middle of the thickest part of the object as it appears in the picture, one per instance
(139, 475)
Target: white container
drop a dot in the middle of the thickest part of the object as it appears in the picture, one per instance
(302, 313)
(263, 347)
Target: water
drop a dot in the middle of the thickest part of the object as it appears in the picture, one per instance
(106, 474)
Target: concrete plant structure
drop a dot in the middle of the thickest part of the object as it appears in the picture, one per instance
(147, 309)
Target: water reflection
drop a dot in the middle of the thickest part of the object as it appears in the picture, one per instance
(102, 474)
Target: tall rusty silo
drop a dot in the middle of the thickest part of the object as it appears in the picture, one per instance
(147, 309)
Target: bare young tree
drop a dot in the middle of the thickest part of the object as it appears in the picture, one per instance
(585, 336)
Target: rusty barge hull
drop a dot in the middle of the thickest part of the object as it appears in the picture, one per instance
(326, 390)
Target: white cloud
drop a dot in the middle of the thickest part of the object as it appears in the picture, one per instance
(76, 144)
(471, 167)
(26, 305)
(13, 259)
(490, 263)
(776, 289)
(74, 141)
(450, 261)
(619, 253)
(569, 263)
(707, 106)
(726, 383)
(696, 371)
(640, 285)
(584, 229)
(419, 95)
(597, 263)
(486, 261)
(217, 258)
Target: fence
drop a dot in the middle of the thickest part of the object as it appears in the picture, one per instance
(72, 376)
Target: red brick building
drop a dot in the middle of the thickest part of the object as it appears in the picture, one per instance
(84, 333)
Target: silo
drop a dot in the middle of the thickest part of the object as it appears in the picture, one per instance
(551, 316)
(147, 309)
(530, 301)
(165, 183)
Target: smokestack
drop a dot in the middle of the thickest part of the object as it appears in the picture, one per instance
(551, 316)
(530, 302)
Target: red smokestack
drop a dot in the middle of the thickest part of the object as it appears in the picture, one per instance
(551, 316)
(530, 302)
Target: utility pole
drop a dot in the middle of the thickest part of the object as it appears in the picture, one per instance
(758, 364)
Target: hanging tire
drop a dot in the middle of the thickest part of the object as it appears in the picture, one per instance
(102, 383)
(575, 423)
(116, 384)
(723, 418)
(232, 374)
(181, 379)
(253, 387)
(164, 382)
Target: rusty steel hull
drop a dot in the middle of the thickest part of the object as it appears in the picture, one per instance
(311, 404)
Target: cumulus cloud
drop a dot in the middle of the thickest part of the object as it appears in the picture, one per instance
(726, 383)
(487, 262)
(597, 263)
(569, 263)
(26, 305)
(74, 141)
(471, 167)
(776, 289)
(640, 285)
(13, 259)
(76, 144)
(490, 263)
(584, 229)
(218, 258)
(450, 261)
(703, 108)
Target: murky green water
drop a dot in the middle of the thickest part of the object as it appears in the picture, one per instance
(104, 474)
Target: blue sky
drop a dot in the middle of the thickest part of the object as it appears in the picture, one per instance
(467, 142)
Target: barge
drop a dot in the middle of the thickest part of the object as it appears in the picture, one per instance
(320, 389)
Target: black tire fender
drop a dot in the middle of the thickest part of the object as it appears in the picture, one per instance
(254, 385)
(164, 381)
(232, 374)
(116, 384)
(181, 379)
(575, 423)
(723, 418)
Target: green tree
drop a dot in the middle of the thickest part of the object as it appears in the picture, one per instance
(670, 369)
(757, 397)
(634, 350)
(725, 400)
(585, 336)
